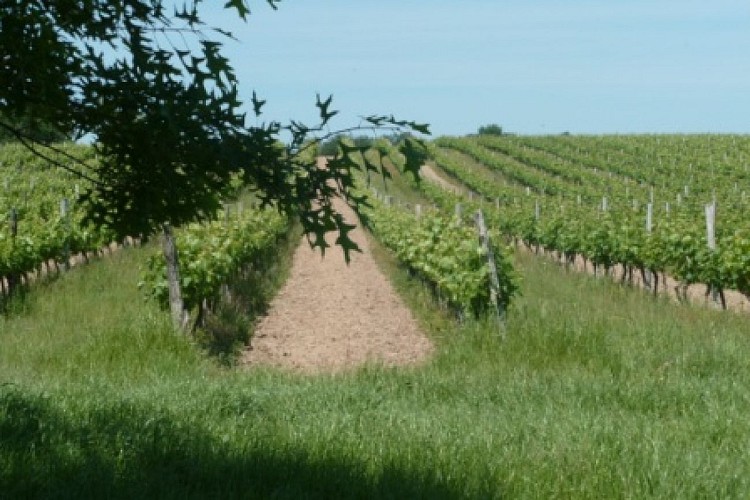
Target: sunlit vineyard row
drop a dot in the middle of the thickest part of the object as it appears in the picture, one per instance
(591, 196)
(444, 251)
(214, 252)
(41, 219)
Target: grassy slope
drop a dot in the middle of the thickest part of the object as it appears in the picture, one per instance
(600, 392)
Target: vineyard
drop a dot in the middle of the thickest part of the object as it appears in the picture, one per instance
(41, 221)
(656, 205)
(215, 253)
(233, 265)
(445, 252)
(43, 225)
(640, 203)
(594, 390)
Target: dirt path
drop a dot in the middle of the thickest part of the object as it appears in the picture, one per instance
(429, 173)
(329, 317)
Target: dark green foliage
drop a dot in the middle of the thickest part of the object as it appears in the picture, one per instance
(153, 88)
(492, 129)
(329, 147)
(36, 130)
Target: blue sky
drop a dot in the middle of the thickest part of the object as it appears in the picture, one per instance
(533, 66)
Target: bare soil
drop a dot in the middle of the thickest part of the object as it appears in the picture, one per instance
(429, 173)
(332, 317)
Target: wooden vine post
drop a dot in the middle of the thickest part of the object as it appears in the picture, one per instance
(716, 295)
(649, 278)
(64, 209)
(13, 223)
(499, 307)
(176, 305)
(12, 278)
(711, 225)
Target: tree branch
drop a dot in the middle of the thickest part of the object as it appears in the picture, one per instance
(30, 143)
(357, 128)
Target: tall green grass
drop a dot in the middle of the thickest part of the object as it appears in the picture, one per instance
(599, 392)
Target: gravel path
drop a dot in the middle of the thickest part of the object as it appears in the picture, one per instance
(330, 317)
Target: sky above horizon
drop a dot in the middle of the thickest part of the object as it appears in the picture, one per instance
(533, 67)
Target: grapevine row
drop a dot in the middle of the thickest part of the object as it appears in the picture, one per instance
(677, 243)
(211, 254)
(40, 217)
(446, 253)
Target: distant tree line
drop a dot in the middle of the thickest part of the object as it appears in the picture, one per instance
(491, 129)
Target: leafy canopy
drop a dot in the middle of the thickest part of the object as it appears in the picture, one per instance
(491, 129)
(149, 82)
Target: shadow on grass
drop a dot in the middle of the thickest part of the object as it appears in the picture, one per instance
(127, 451)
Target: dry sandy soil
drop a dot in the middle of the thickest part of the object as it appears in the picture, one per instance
(429, 173)
(331, 317)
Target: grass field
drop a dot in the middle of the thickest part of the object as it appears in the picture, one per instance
(599, 392)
